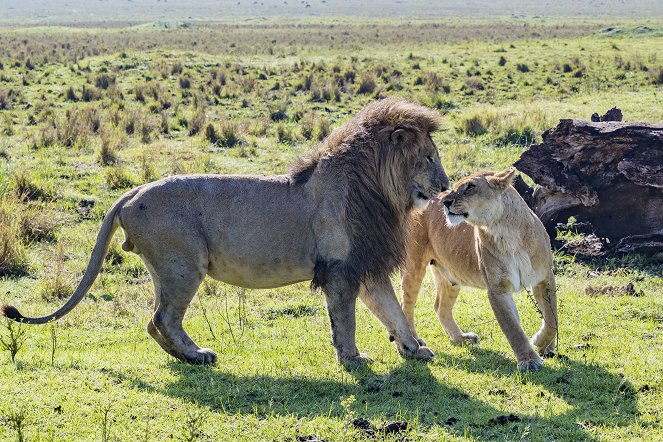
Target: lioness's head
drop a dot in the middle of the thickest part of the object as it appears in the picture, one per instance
(476, 199)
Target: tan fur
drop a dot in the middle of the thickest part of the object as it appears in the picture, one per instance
(483, 235)
(338, 218)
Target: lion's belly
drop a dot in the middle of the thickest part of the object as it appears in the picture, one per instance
(259, 273)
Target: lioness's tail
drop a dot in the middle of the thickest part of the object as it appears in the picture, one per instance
(108, 227)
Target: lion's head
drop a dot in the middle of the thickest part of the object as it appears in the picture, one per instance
(388, 144)
(388, 158)
(476, 199)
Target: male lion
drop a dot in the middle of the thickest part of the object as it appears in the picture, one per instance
(482, 234)
(338, 219)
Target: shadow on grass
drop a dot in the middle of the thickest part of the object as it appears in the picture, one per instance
(594, 395)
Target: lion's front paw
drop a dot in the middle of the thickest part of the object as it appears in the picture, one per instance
(358, 359)
(202, 356)
(469, 337)
(533, 364)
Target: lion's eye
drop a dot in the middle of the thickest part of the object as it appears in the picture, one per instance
(470, 186)
(429, 159)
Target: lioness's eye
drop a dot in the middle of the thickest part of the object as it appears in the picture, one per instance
(470, 186)
(429, 159)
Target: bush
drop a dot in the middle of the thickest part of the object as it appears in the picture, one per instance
(522, 67)
(210, 134)
(111, 141)
(117, 177)
(230, 135)
(197, 121)
(13, 257)
(56, 286)
(26, 188)
(656, 76)
(367, 84)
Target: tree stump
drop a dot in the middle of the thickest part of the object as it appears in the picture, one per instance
(606, 174)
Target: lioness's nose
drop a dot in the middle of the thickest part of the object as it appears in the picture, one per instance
(447, 203)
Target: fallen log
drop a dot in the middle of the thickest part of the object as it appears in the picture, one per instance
(606, 174)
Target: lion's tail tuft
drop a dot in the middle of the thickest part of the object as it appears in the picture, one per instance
(11, 312)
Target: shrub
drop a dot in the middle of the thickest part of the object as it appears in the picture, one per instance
(104, 81)
(197, 121)
(522, 67)
(26, 188)
(210, 134)
(13, 257)
(367, 84)
(656, 76)
(111, 142)
(230, 135)
(285, 134)
(117, 177)
(56, 286)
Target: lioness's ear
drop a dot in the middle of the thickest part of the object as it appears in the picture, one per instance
(502, 180)
(402, 134)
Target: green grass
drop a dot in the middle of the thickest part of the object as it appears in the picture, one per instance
(63, 161)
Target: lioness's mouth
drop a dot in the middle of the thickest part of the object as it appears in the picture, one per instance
(464, 215)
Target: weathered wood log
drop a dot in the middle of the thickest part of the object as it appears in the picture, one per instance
(608, 174)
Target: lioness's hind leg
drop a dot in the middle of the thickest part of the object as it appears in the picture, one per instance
(445, 299)
(545, 340)
(174, 291)
(412, 276)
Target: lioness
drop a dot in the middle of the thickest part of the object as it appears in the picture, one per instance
(337, 219)
(482, 234)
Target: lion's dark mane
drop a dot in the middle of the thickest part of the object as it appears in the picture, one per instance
(361, 151)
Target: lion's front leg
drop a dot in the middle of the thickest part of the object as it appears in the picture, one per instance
(341, 303)
(381, 300)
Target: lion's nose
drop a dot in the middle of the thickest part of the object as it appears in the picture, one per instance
(447, 203)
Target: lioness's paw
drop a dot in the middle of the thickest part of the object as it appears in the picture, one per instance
(544, 347)
(203, 356)
(469, 337)
(533, 364)
(423, 354)
(358, 359)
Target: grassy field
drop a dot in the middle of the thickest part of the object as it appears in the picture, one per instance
(86, 113)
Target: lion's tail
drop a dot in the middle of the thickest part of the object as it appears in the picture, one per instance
(108, 227)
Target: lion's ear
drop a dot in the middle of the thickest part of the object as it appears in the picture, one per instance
(402, 134)
(502, 180)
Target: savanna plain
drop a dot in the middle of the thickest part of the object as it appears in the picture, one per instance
(87, 112)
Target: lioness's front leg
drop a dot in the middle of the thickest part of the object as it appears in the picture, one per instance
(381, 300)
(506, 313)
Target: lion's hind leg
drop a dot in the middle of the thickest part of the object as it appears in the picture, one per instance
(175, 287)
(545, 340)
(445, 299)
